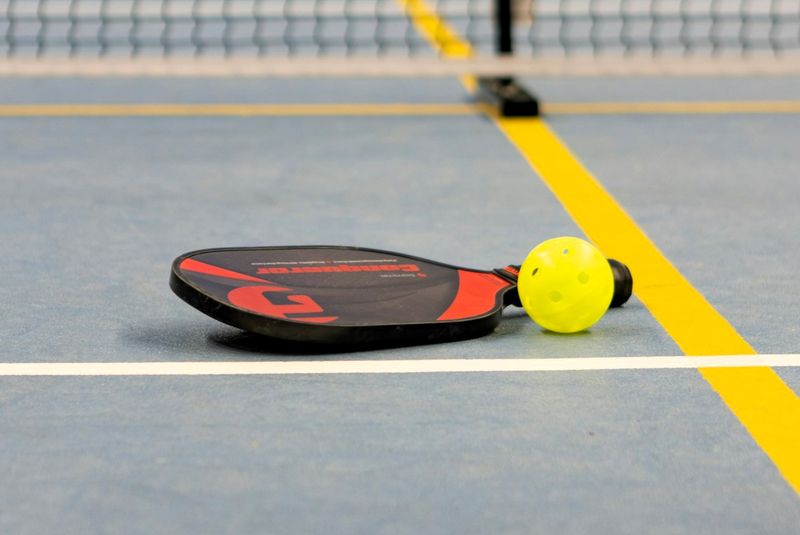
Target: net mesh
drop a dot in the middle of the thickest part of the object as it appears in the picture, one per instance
(230, 27)
(381, 28)
(663, 26)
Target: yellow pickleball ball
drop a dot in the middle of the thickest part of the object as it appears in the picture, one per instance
(565, 284)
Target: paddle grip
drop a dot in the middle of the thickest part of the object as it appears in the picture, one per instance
(623, 283)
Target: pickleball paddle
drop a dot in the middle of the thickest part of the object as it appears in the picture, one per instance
(350, 295)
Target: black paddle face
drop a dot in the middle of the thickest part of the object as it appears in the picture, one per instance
(340, 295)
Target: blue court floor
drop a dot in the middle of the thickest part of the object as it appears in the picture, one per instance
(94, 208)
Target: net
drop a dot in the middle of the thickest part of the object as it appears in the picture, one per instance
(396, 28)
(662, 26)
(238, 27)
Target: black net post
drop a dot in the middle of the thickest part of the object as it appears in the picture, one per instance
(504, 93)
(504, 27)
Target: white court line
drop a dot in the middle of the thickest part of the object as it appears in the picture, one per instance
(323, 367)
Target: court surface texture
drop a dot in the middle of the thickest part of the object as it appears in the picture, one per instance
(693, 182)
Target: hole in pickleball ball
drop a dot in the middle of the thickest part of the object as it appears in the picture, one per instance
(554, 296)
(534, 272)
(583, 277)
(565, 251)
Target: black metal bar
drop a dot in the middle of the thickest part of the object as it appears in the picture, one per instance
(508, 97)
(504, 27)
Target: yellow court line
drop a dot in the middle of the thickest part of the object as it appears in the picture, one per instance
(439, 34)
(243, 110)
(435, 29)
(762, 402)
(386, 110)
(692, 322)
(667, 108)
